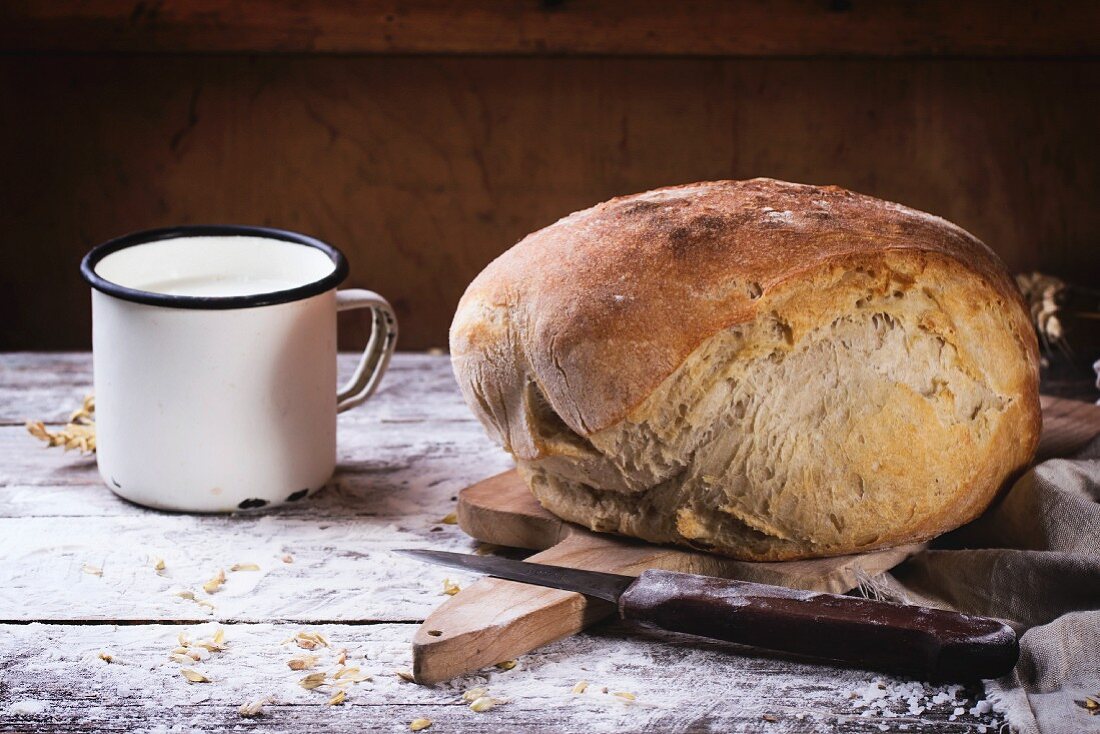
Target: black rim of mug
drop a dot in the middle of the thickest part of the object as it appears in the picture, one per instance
(101, 284)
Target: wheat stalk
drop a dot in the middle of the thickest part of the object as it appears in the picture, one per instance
(78, 434)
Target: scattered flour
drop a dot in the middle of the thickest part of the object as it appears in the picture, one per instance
(27, 707)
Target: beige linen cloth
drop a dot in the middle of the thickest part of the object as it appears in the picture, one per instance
(1034, 561)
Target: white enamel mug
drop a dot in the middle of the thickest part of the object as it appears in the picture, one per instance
(215, 364)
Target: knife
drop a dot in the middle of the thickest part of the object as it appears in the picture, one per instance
(931, 644)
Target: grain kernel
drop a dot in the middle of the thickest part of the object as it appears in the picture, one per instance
(252, 708)
(301, 662)
(215, 583)
(473, 694)
(313, 680)
(418, 724)
(309, 640)
(483, 704)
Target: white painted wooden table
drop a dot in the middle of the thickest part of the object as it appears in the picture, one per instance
(403, 457)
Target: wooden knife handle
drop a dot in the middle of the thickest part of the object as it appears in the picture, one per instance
(926, 643)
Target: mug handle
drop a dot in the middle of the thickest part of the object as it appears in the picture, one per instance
(383, 340)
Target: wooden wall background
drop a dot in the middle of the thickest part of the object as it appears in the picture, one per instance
(423, 158)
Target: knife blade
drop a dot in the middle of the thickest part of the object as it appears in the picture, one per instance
(933, 644)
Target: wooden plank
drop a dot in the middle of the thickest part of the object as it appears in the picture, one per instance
(398, 476)
(54, 680)
(408, 450)
(87, 568)
(385, 468)
(48, 386)
(637, 27)
(424, 169)
(392, 490)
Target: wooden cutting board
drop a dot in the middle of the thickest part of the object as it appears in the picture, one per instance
(493, 620)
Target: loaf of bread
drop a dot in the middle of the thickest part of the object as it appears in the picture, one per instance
(761, 369)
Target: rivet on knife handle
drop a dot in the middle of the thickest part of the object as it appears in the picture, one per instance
(894, 638)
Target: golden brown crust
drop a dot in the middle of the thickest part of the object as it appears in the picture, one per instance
(764, 369)
(638, 282)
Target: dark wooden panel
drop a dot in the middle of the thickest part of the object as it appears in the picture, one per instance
(641, 27)
(423, 169)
